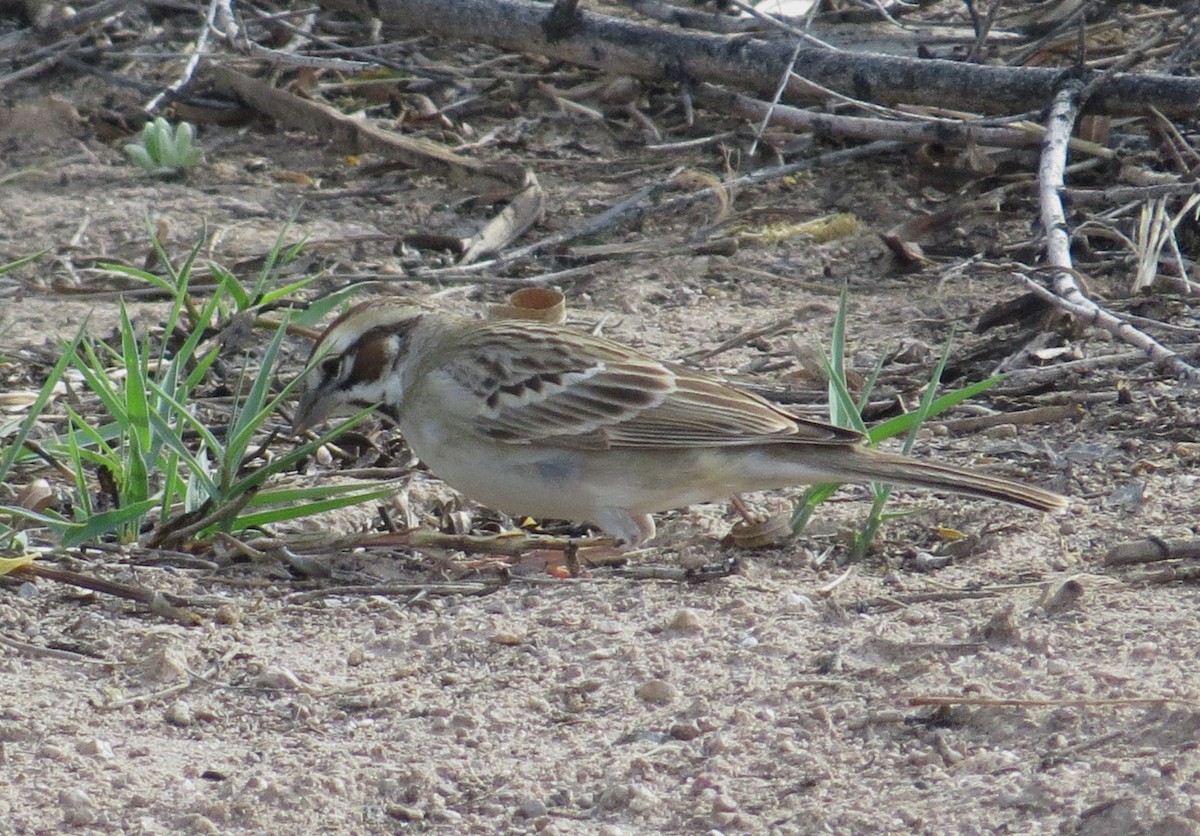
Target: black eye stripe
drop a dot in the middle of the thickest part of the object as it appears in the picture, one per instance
(330, 367)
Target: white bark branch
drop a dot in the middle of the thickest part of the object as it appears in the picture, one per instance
(1068, 295)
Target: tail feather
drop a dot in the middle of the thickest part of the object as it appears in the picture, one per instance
(873, 465)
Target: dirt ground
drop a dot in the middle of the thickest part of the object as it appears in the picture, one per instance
(1008, 682)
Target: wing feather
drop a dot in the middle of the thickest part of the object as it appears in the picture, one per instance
(532, 383)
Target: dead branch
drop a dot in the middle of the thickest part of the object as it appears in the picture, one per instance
(941, 131)
(1151, 550)
(1068, 295)
(351, 135)
(1128, 194)
(630, 48)
(165, 604)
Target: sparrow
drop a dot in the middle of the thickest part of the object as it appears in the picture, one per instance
(549, 421)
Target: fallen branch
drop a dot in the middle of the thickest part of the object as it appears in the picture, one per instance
(1067, 294)
(941, 131)
(650, 52)
(160, 603)
(525, 205)
(1151, 550)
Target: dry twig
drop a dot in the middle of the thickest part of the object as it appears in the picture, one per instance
(1068, 295)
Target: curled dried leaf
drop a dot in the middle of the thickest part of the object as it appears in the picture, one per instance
(540, 304)
(36, 496)
(775, 530)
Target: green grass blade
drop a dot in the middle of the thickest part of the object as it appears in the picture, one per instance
(904, 423)
(294, 508)
(100, 525)
(22, 261)
(253, 410)
(293, 457)
(59, 525)
(16, 444)
(140, 275)
(172, 439)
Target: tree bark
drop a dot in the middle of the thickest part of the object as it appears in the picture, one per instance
(627, 47)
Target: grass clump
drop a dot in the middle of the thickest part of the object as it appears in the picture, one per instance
(844, 411)
(153, 460)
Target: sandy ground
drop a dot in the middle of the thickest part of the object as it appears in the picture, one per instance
(1017, 686)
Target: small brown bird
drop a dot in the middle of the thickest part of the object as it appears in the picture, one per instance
(549, 421)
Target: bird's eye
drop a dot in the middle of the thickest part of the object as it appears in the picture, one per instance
(330, 367)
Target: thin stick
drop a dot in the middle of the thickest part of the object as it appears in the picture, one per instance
(1081, 702)
(1068, 295)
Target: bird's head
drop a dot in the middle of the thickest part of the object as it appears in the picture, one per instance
(358, 362)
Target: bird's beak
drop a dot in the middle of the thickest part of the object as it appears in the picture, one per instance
(312, 410)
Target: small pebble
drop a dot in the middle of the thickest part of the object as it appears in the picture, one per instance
(1001, 431)
(96, 747)
(280, 678)
(509, 637)
(685, 730)
(685, 620)
(228, 614)
(179, 713)
(531, 808)
(657, 692)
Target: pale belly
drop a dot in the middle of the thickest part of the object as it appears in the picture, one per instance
(576, 484)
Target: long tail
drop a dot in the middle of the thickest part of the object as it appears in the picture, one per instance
(865, 464)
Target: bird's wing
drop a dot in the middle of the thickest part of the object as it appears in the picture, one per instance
(522, 383)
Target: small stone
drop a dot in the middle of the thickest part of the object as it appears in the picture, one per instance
(657, 692)
(403, 812)
(96, 747)
(228, 614)
(179, 713)
(686, 620)
(78, 808)
(356, 656)
(685, 730)
(281, 679)
(1001, 431)
(509, 637)
(531, 808)
(196, 823)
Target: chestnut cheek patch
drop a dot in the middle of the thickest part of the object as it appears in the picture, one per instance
(370, 360)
